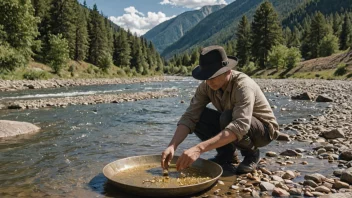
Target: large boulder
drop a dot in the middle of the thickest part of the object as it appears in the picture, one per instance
(335, 133)
(303, 96)
(324, 98)
(12, 128)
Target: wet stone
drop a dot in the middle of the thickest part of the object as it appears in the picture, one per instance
(316, 177)
(295, 191)
(318, 194)
(266, 186)
(271, 154)
(278, 192)
(346, 176)
(339, 184)
(290, 152)
(323, 189)
(277, 178)
(289, 175)
(310, 183)
(333, 134)
(346, 155)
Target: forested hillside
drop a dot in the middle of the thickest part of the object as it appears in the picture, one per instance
(220, 27)
(265, 43)
(54, 32)
(168, 32)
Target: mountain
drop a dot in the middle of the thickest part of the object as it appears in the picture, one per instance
(309, 8)
(168, 32)
(219, 27)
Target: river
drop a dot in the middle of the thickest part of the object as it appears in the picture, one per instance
(66, 158)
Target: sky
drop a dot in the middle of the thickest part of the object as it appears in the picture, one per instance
(139, 16)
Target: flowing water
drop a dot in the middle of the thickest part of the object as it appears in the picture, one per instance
(66, 158)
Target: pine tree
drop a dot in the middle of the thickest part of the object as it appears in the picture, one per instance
(151, 57)
(329, 45)
(265, 32)
(305, 47)
(195, 57)
(63, 21)
(97, 36)
(318, 30)
(243, 46)
(336, 25)
(42, 8)
(58, 54)
(18, 29)
(186, 59)
(82, 40)
(122, 50)
(294, 38)
(287, 33)
(346, 33)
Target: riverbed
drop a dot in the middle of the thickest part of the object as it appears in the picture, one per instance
(66, 158)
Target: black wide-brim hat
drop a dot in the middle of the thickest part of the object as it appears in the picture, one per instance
(213, 62)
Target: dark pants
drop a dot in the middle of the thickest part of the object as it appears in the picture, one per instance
(213, 122)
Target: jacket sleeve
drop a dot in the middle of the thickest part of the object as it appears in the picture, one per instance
(196, 107)
(242, 112)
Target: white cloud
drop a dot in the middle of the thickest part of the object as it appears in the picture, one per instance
(137, 22)
(195, 4)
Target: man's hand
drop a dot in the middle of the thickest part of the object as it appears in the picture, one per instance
(188, 157)
(167, 156)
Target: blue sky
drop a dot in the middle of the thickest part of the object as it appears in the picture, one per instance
(142, 15)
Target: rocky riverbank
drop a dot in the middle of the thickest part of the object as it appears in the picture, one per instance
(15, 85)
(330, 136)
(87, 100)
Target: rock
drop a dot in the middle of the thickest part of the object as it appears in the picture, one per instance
(247, 190)
(303, 96)
(308, 194)
(221, 182)
(299, 150)
(333, 134)
(338, 172)
(12, 128)
(304, 162)
(323, 98)
(266, 186)
(277, 178)
(255, 194)
(316, 177)
(289, 175)
(14, 106)
(235, 187)
(271, 154)
(338, 195)
(323, 189)
(318, 194)
(278, 192)
(290, 152)
(346, 176)
(339, 184)
(295, 191)
(283, 137)
(310, 183)
(346, 155)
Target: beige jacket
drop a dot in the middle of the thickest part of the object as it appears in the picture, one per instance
(243, 96)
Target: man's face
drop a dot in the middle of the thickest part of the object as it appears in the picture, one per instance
(217, 82)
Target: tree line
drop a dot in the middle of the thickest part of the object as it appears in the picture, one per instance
(56, 31)
(265, 43)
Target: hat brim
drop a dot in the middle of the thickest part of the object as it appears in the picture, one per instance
(199, 74)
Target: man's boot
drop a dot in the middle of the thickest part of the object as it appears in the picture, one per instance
(250, 161)
(223, 158)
